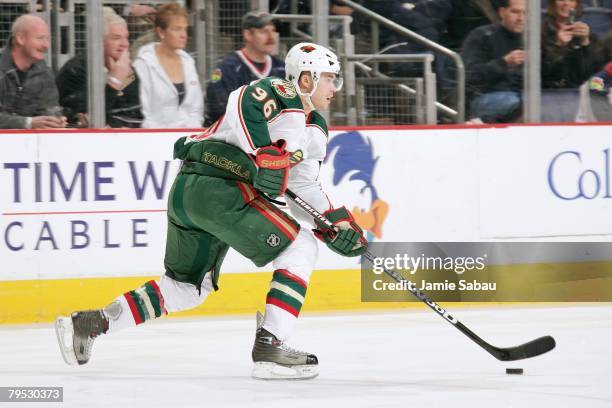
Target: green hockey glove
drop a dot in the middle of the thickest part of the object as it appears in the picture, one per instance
(348, 240)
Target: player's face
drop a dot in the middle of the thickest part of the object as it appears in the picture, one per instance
(324, 93)
(35, 41)
(116, 41)
(262, 40)
(175, 35)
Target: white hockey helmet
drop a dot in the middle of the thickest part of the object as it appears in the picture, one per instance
(313, 58)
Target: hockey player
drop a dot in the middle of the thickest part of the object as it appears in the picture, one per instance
(270, 137)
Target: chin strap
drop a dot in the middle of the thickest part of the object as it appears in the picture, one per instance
(309, 102)
(305, 95)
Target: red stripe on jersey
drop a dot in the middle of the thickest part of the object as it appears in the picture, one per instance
(244, 128)
(247, 194)
(280, 223)
(294, 230)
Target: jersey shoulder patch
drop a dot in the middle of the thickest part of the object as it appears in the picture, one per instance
(283, 91)
(283, 88)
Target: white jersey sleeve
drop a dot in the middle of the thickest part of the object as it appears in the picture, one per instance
(304, 176)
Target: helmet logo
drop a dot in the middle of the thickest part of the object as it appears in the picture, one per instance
(308, 48)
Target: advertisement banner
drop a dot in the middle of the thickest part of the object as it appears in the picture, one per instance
(545, 181)
(93, 204)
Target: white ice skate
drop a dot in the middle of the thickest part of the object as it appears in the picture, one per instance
(76, 334)
(274, 360)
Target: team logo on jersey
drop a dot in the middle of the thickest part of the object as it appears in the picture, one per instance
(296, 157)
(284, 88)
(308, 48)
(273, 240)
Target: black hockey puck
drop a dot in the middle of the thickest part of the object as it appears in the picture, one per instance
(514, 371)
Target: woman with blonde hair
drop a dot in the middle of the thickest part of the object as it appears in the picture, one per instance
(170, 91)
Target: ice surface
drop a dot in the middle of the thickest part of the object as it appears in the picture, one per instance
(409, 358)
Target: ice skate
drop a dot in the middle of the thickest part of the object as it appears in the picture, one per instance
(274, 360)
(76, 334)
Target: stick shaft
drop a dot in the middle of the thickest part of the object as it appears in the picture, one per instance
(527, 350)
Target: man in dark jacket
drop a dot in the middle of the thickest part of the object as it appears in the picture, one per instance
(122, 89)
(494, 57)
(253, 61)
(28, 96)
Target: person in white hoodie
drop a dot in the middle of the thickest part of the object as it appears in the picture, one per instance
(170, 91)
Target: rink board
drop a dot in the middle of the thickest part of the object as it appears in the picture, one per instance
(83, 213)
(240, 293)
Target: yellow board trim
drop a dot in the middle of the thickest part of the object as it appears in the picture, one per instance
(40, 301)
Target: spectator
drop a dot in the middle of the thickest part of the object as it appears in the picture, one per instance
(170, 92)
(121, 91)
(570, 53)
(424, 17)
(494, 58)
(28, 95)
(466, 16)
(251, 62)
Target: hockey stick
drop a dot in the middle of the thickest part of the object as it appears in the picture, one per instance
(530, 349)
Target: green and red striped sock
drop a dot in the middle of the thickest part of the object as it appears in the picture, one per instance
(146, 302)
(287, 291)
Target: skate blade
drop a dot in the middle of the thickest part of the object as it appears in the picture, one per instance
(65, 334)
(273, 371)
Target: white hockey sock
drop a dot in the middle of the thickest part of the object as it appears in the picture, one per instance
(135, 307)
(289, 283)
(283, 303)
(155, 299)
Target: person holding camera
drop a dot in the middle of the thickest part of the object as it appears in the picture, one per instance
(570, 52)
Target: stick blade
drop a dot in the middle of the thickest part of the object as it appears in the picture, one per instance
(528, 350)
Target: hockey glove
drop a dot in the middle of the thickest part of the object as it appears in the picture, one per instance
(273, 163)
(348, 240)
